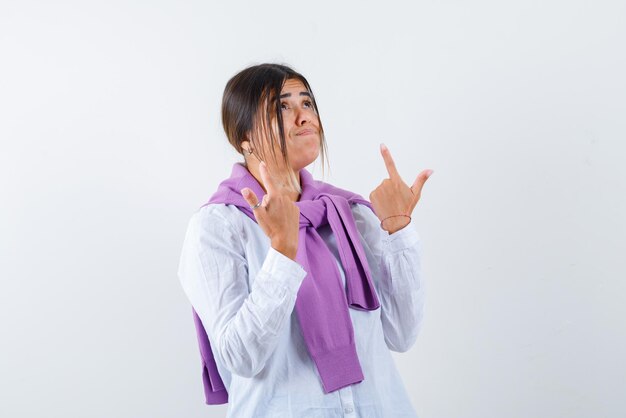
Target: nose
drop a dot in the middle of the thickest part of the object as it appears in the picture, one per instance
(302, 117)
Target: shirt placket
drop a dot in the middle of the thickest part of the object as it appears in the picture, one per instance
(347, 402)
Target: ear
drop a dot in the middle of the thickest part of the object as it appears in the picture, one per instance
(245, 144)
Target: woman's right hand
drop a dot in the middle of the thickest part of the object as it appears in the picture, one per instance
(278, 215)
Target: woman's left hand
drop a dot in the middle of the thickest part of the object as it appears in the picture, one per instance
(394, 197)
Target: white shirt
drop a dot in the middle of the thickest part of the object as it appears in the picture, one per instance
(244, 292)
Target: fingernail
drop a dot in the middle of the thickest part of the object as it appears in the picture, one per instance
(383, 146)
(244, 192)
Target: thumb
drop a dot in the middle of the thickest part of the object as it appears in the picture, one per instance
(420, 180)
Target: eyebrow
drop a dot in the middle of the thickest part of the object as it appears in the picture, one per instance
(302, 93)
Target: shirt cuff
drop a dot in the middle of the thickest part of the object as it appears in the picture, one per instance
(280, 271)
(402, 239)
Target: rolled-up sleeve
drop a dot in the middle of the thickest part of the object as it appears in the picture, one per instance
(397, 277)
(243, 323)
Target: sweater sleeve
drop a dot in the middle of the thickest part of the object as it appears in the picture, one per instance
(396, 271)
(243, 323)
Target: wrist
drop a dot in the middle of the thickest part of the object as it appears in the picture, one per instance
(285, 248)
(394, 223)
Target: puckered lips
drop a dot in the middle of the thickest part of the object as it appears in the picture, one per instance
(306, 131)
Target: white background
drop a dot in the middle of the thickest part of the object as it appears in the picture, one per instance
(111, 138)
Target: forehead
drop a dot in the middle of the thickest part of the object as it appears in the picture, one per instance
(293, 85)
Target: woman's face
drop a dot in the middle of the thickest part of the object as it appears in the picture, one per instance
(300, 124)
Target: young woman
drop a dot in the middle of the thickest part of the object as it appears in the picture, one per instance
(300, 289)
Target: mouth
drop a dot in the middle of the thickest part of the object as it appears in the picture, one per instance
(306, 132)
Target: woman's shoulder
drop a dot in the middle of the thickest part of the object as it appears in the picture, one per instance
(216, 220)
(217, 211)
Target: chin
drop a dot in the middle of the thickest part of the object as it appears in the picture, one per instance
(304, 161)
(304, 156)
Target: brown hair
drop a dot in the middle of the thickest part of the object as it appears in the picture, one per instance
(251, 103)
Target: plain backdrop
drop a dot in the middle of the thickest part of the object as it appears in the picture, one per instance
(111, 138)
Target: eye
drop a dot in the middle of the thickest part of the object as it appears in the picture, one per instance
(284, 106)
(307, 103)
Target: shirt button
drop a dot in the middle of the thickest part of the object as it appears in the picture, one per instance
(348, 409)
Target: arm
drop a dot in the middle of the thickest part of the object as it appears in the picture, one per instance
(243, 324)
(395, 263)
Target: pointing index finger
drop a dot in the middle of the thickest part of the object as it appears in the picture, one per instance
(391, 166)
